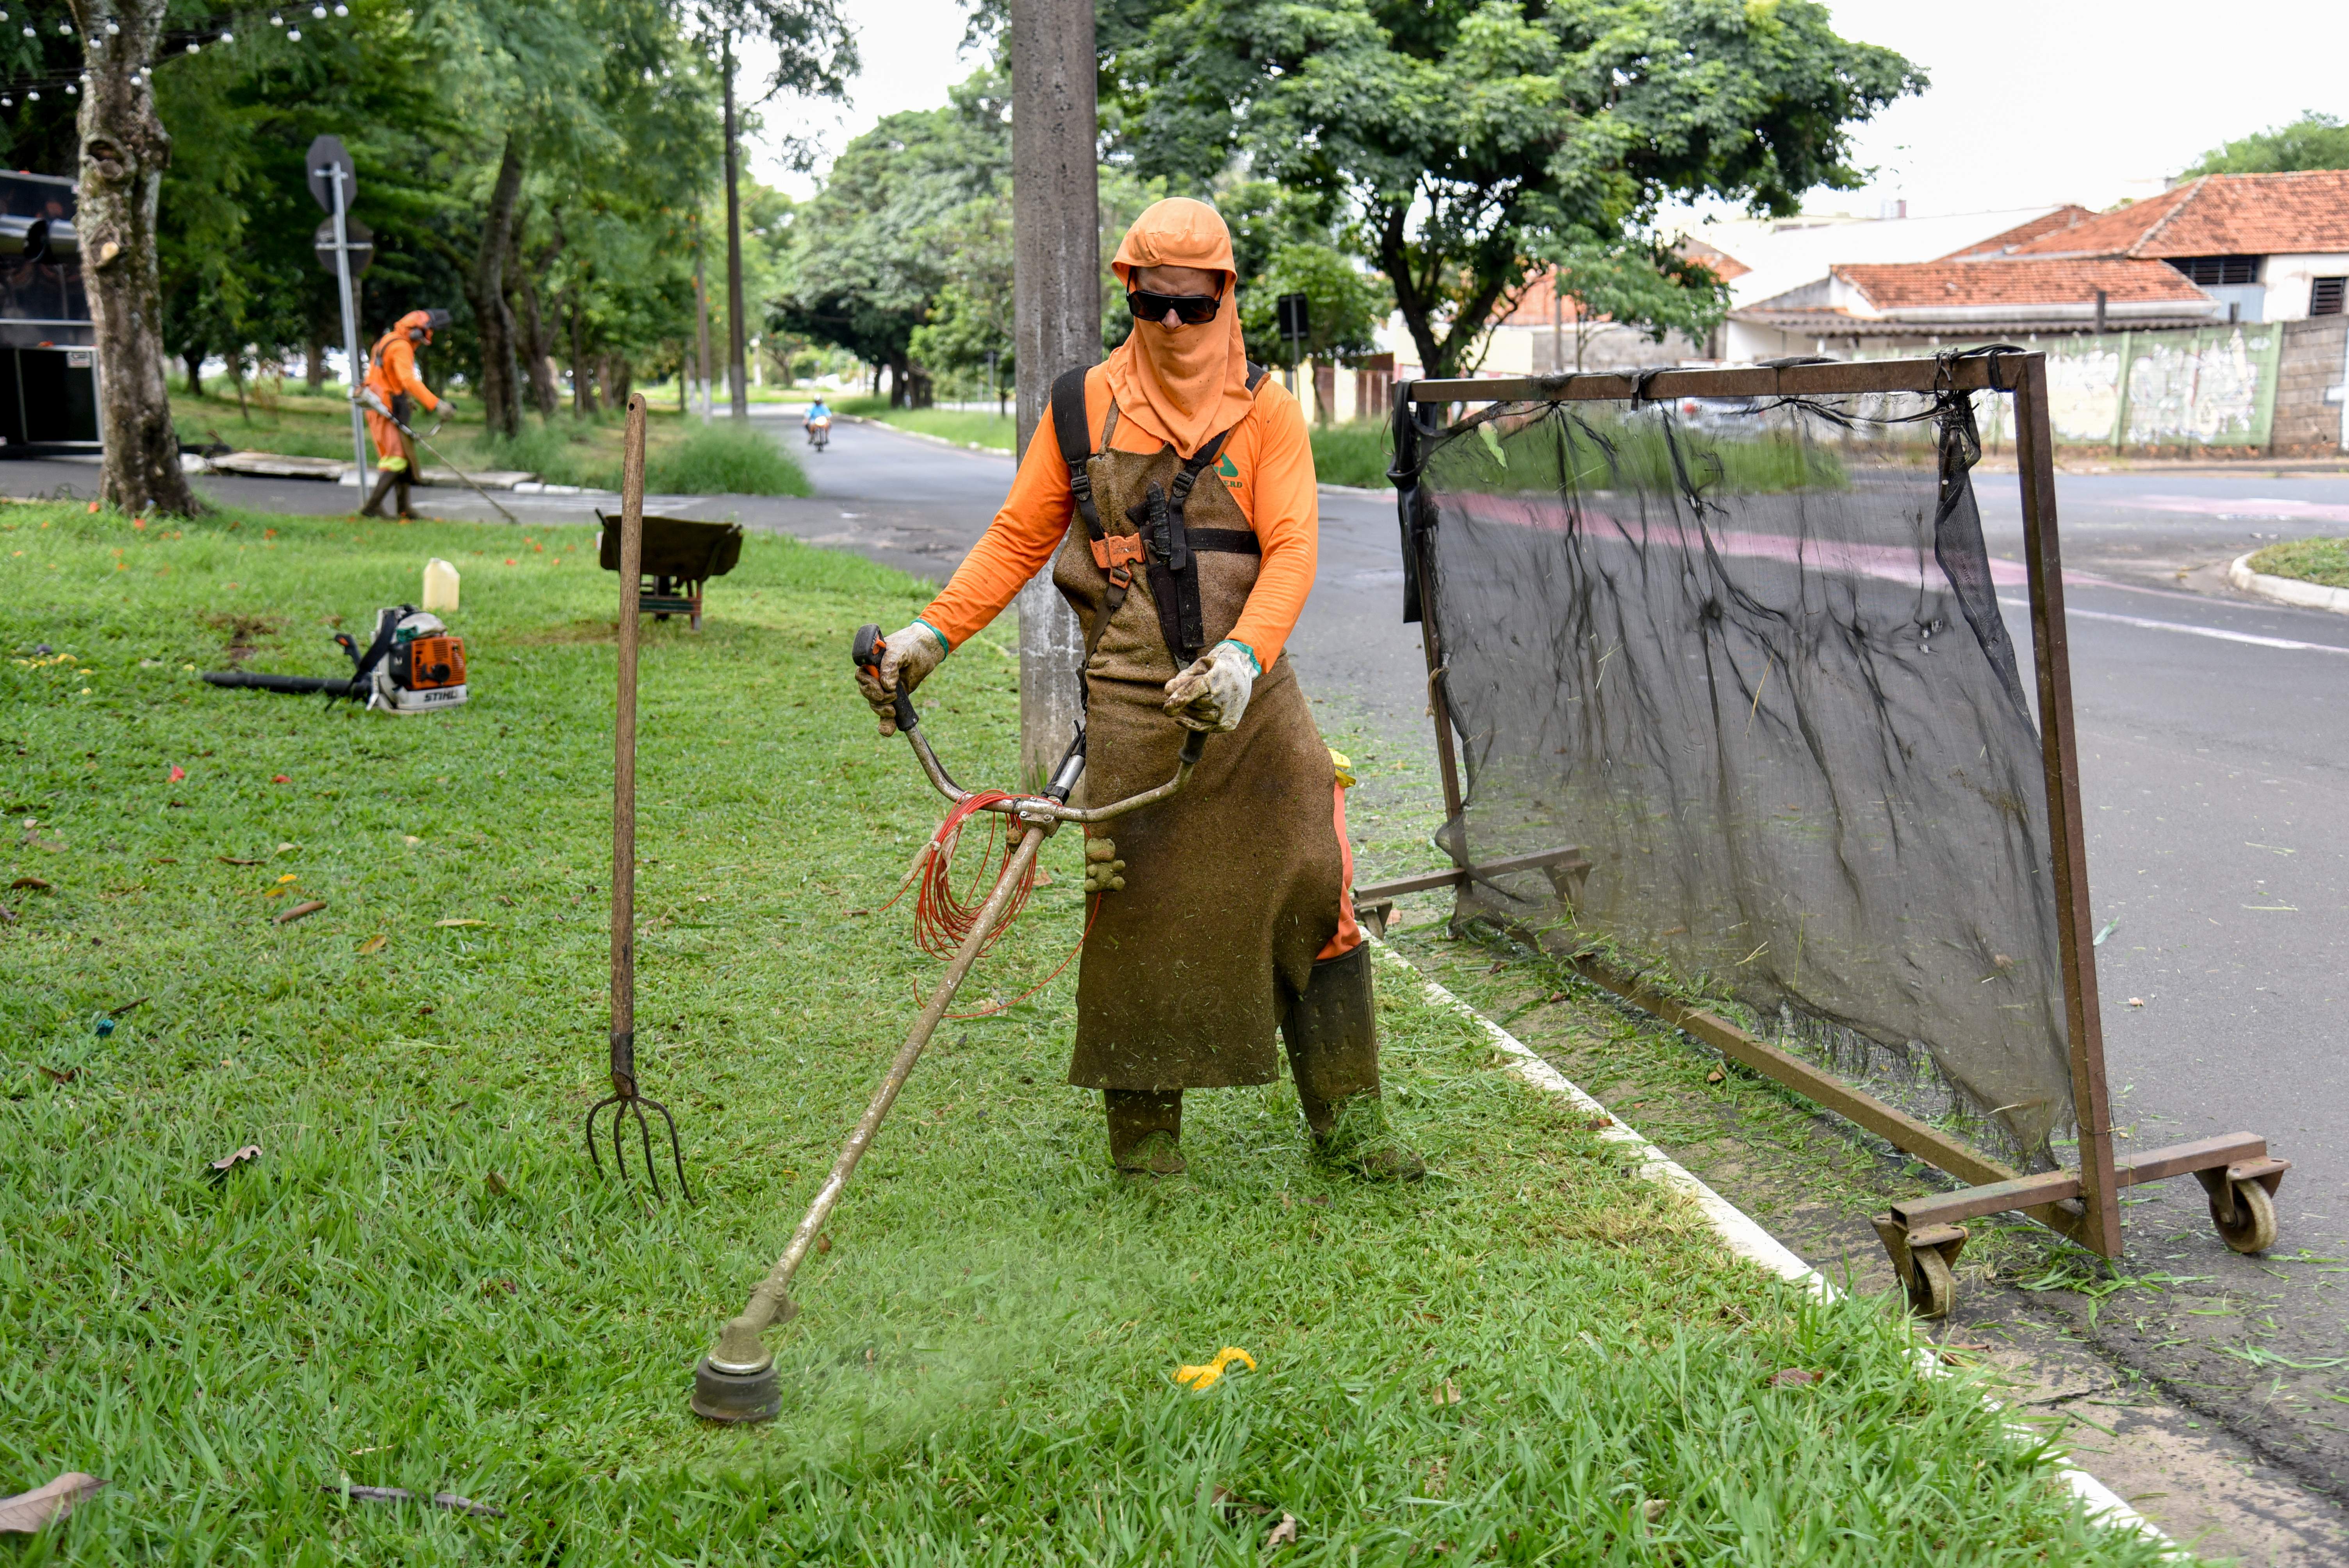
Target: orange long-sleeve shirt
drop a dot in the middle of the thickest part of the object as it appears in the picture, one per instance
(394, 371)
(1269, 471)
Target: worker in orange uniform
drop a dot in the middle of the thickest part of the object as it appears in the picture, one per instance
(1225, 912)
(392, 376)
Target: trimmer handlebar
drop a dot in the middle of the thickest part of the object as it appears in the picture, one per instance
(1052, 805)
(866, 654)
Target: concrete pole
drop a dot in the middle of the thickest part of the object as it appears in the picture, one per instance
(1056, 313)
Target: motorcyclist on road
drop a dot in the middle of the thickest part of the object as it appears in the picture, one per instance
(392, 376)
(819, 420)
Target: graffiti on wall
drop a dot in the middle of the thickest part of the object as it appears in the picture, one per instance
(2209, 386)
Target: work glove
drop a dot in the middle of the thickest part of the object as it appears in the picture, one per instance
(907, 657)
(1102, 868)
(1214, 692)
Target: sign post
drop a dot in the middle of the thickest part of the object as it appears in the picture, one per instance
(1290, 309)
(334, 183)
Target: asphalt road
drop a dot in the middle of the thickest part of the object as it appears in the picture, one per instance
(2214, 751)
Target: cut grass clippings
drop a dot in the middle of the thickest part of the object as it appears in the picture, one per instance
(417, 1282)
(2323, 562)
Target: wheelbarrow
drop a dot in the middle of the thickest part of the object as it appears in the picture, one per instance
(737, 1380)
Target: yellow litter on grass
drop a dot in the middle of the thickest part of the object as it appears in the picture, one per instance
(1207, 1376)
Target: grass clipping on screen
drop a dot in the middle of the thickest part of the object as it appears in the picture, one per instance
(1536, 1356)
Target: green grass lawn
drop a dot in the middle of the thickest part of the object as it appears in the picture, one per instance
(682, 456)
(2324, 562)
(963, 427)
(1533, 1357)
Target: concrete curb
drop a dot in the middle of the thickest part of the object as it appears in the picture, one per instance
(1737, 1229)
(2287, 590)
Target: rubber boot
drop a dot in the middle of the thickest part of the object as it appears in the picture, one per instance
(1145, 1131)
(1332, 1033)
(399, 481)
(383, 481)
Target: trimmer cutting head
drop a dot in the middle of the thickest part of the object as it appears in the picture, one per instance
(736, 1397)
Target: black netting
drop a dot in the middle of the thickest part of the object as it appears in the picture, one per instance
(1749, 658)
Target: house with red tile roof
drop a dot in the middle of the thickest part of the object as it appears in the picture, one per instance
(2224, 248)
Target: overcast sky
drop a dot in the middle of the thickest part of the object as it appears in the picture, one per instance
(2032, 101)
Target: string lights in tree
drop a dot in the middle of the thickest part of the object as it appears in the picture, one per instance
(218, 28)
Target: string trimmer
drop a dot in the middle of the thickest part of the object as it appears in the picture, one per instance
(737, 1380)
(367, 399)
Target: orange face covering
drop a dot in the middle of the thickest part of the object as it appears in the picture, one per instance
(1186, 383)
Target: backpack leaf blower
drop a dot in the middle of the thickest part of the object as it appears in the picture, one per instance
(415, 664)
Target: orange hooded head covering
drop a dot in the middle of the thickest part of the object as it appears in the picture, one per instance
(1184, 384)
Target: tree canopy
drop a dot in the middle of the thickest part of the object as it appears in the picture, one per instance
(1460, 140)
(2312, 141)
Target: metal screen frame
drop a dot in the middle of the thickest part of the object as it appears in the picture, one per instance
(2084, 1203)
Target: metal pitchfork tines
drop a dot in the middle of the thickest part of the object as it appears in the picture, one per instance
(625, 1100)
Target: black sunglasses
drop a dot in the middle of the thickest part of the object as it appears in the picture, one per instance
(1191, 310)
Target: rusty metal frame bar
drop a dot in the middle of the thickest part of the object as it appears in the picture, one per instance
(2082, 1204)
(1569, 858)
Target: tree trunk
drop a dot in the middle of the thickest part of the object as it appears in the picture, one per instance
(537, 345)
(314, 358)
(194, 360)
(492, 317)
(701, 312)
(619, 379)
(124, 151)
(582, 374)
(737, 384)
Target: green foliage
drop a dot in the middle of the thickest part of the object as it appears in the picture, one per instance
(419, 1282)
(1466, 139)
(1642, 286)
(726, 457)
(1355, 453)
(2324, 562)
(2312, 141)
(915, 207)
(1585, 453)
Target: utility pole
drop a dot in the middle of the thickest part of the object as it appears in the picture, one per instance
(737, 382)
(1056, 313)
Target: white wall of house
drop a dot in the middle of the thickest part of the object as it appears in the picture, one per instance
(2286, 279)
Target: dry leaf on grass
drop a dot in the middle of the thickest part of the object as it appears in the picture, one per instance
(1445, 1393)
(60, 1075)
(33, 884)
(233, 861)
(1652, 1511)
(127, 1006)
(497, 1184)
(303, 910)
(448, 1499)
(1284, 1534)
(461, 923)
(235, 1158)
(1715, 1076)
(28, 1511)
(373, 943)
(1793, 1377)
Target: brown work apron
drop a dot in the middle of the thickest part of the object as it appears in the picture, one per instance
(1231, 886)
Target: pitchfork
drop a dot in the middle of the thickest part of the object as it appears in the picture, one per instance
(624, 1101)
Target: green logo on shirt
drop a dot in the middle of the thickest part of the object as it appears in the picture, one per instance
(1227, 470)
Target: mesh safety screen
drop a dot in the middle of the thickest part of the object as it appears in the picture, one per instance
(1749, 658)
